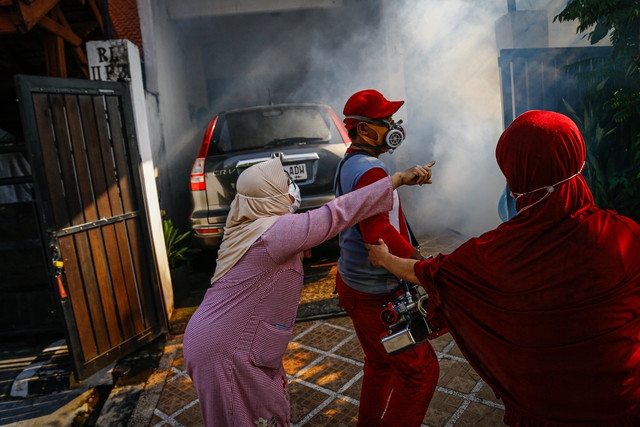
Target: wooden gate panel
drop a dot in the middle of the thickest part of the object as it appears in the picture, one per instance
(59, 198)
(129, 204)
(79, 303)
(108, 129)
(121, 159)
(55, 146)
(115, 237)
(92, 260)
(91, 207)
(66, 199)
(61, 152)
(110, 254)
(44, 115)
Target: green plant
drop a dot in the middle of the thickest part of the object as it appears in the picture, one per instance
(175, 242)
(618, 19)
(596, 137)
(609, 114)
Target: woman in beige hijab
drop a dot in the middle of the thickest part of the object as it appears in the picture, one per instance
(234, 343)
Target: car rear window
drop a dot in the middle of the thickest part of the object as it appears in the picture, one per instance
(276, 126)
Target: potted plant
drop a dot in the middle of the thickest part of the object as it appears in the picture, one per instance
(177, 248)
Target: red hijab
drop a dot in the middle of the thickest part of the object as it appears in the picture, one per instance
(546, 307)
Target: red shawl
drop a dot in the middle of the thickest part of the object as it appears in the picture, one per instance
(546, 307)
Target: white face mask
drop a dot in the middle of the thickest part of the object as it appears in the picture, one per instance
(294, 191)
(550, 189)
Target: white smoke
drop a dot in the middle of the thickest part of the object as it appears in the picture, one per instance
(439, 56)
(454, 111)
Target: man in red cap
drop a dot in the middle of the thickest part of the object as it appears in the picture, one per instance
(404, 383)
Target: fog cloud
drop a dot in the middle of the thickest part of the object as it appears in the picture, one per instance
(439, 56)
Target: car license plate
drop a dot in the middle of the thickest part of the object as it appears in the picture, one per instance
(297, 171)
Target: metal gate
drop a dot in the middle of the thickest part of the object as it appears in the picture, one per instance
(81, 143)
(537, 79)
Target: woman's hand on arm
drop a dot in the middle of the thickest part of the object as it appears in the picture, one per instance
(416, 254)
(402, 268)
(419, 174)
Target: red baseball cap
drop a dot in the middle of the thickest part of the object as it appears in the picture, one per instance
(370, 104)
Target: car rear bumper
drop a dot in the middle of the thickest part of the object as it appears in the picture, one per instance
(209, 235)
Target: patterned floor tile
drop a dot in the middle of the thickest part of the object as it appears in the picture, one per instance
(353, 391)
(325, 386)
(176, 395)
(455, 351)
(352, 350)
(478, 415)
(487, 393)
(300, 327)
(338, 413)
(331, 373)
(190, 417)
(324, 337)
(343, 321)
(457, 376)
(442, 408)
(297, 357)
(303, 400)
(155, 420)
(440, 343)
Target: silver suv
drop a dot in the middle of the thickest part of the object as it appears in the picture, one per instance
(309, 138)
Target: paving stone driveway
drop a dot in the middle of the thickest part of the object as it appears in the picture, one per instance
(324, 363)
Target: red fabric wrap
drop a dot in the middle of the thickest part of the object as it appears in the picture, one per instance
(546, 307)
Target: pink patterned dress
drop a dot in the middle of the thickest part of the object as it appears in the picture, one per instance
(234, 343)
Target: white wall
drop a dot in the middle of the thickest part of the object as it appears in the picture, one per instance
(175, 79)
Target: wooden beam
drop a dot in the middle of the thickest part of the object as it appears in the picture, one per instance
(56, 13)
(8, 22)
(82, 58)
(96, 12)
(55, 56)
(53, 27)
(31, 14)
(83, 29)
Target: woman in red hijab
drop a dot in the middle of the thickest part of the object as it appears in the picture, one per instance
(546, 307)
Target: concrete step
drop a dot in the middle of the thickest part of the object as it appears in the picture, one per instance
(50, 372)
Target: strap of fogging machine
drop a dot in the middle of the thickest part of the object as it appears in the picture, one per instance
(414, 242)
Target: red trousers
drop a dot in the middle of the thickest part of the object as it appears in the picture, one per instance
(402, 384)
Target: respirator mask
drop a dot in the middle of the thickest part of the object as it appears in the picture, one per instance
(390, 134)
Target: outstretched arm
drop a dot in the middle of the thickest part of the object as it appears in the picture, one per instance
(298, 232)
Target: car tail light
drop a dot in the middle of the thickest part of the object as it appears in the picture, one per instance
(343, 131)
(197, 170)
(210, 230)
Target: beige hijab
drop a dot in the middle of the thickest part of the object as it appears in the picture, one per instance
(262, 197)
